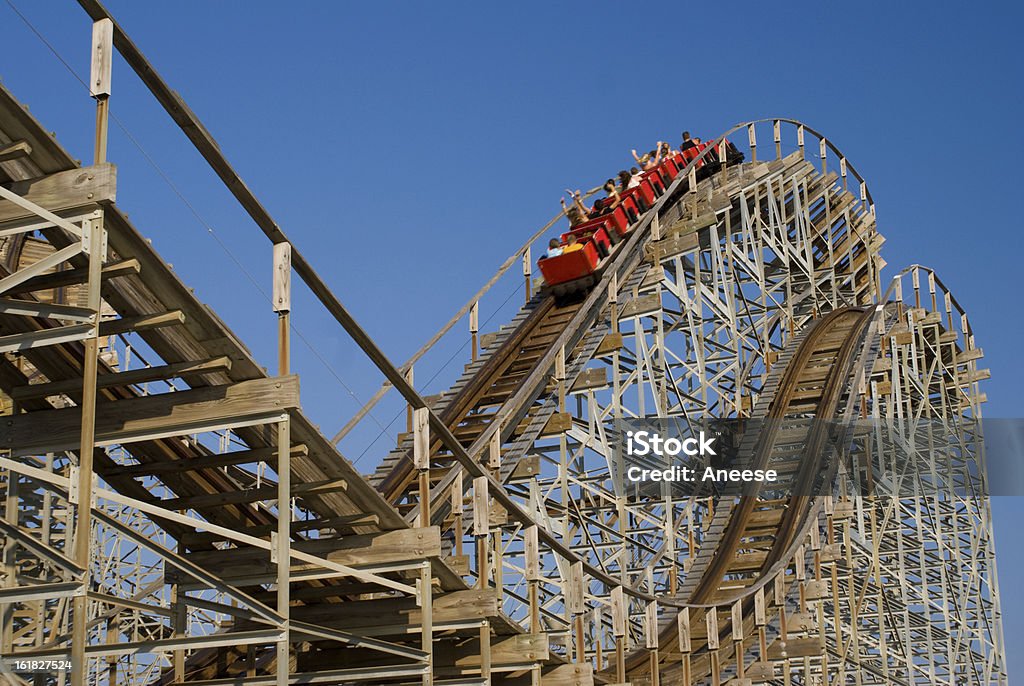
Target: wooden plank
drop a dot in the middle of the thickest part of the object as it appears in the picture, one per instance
(670, 247)
(568, 675)
(527, 468)
(35, 308)
(76, 189)
(397, 615)
(102, 60)
(645, 304)
(358, 550)
(793, 648)
(342, 522)
(113, 327)
(590, 379)
(451, 657)
(250, 495)
(560, 422)
(609, 344)
(134, 376)
(134, 419)
(15, 151)
(268, 454)
(72, 277)
(253, 565)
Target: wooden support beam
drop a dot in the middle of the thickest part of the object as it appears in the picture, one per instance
(384, 616)
(364, 550)
(15, 151)
(75, 189)
(34, 308)
(72, 277)
(168, 414)
(343, 522)
(131, 377)
(205, 462)
(112, 327)
(44, 337)
(451, 657)
(250, 495)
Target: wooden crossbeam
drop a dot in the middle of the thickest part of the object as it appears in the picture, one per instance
(250, 495)
(190, 538)
(113, 327)
(75, 276)
(44, 337)
(15, 151)
(34, 308)
(131, 377)
(451, 657)
(361, 550)
(62, 191)
(167, 414)
(205, 462)
(384, 616)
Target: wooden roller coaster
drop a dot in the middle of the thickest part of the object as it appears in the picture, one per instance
(172, 516)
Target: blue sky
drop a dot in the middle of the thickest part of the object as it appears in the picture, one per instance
(408, 148)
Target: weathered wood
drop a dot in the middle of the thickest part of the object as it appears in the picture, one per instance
(142, 322)
(404, 545)
(134, 376)
(73, 277)
(560, 422)
(637, 307)
(451, 657)
(282, 291)
(250, 495)
(609, 344)
(76, 189)
(398, 615)
(253, 456)
(102, 58)
(590, 379)
(136, 419)
(15, 151)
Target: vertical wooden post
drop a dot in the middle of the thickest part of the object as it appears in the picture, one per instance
(576, 600)
(613, 300)
(527, 273)
(800, 139)
(283, 544)
(474, 327)
(737, 636)
(94, 237)
(651, 638)
(481, 527)
(485, 651)
(408, 408)
(99, 81)
(458, 508)
(282, 302)
(531, 552)
(494, 453)
(99, 87)
(619, 618)
(752, 140)
(426, 600)
(683, 627)
(823, 154)
(11, 514)
(421, 460)
(692, 181)
(711, 619)
(723, 149)
(777, 134)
